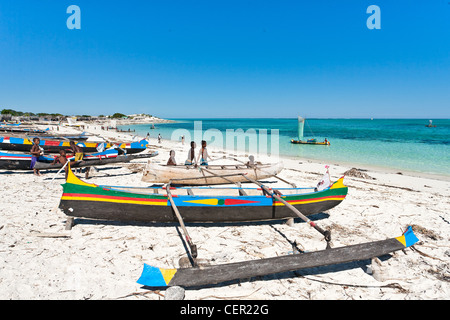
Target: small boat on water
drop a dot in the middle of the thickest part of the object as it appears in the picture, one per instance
(300, 140)
(430, 124)
(24, 144)
(214, 204)
(210, 174)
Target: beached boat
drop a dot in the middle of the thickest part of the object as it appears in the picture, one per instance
(300, 140)
(20, 161)
(14, 161)
(80, 137)
(16, 129)
(207, 275)
(86, 200)
(99, 159)
(190, 175)
(24, 144)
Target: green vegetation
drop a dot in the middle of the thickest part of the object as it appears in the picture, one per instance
(29, 114)
(118, 115)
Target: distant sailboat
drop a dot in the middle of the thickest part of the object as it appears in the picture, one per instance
(430, 124)
(301, 126)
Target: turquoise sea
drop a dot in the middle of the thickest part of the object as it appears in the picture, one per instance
(399, 144)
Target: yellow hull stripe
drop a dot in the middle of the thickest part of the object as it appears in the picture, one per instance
(309, 201)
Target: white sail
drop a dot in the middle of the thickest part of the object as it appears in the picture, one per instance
(301, 125)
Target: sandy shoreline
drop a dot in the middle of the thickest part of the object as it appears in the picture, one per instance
(39, 259)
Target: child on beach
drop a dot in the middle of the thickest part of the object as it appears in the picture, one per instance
(62, 159)
(171, 161)
(191, 155)
(79, 154)
(36, 152)
(203, 155)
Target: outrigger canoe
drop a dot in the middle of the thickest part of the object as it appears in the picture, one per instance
(207, 275)
(17, 161)
(99, 160)
(190, 175)
(311, 142)
(91, 201)
(24, 144)
(13, 161)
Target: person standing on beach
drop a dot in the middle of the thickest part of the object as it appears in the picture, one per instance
(203, 155)
(159, 137)
(191, 155)
(36, 152)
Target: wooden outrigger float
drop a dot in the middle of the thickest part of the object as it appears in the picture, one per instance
(207, 275)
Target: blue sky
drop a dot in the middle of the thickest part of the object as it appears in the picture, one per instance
(227, 58)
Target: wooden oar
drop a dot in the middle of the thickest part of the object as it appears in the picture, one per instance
(192, 246)
(325, 233)
(65, 164)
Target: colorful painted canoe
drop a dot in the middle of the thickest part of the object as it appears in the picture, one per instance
(311, 142)
(99, 159)
(190, 175)
(86, 200)
(12, 161)
(17, 161)
(24, 144)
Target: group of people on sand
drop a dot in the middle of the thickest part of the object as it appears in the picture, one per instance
(202, 157)
(36, 151)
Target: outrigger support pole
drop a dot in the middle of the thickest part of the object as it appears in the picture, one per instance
(325, 233)
(192, 246)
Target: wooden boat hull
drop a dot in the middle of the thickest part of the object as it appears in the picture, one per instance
(24, 144)
(181, 174)
(190, 277)
(310, 143)
(10, 161)
(95, 162)
(90, 201)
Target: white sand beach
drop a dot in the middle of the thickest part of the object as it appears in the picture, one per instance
(39, 259)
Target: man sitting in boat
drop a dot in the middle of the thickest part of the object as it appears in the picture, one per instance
(62, 159)
(171, 161)
(191, 155)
